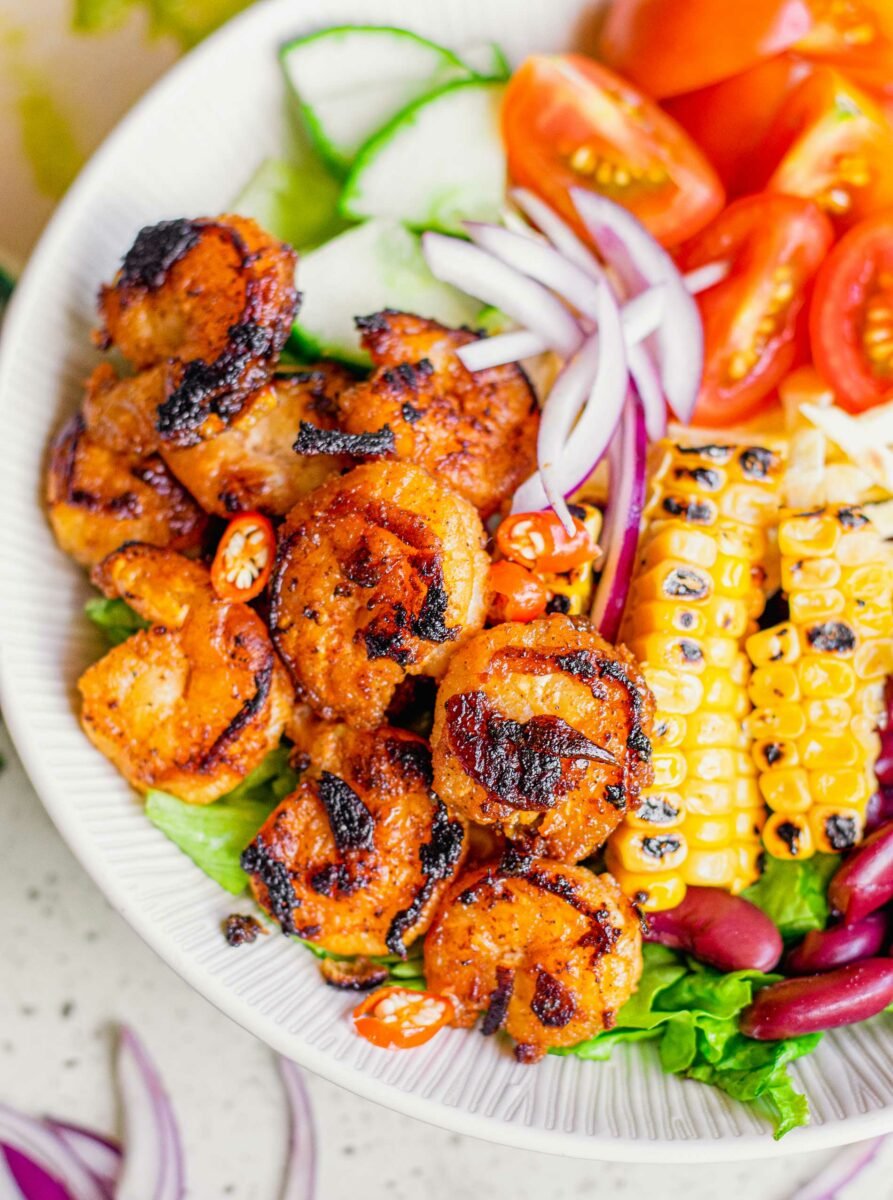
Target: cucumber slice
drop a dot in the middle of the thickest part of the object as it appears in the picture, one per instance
(351, 80)
(376, 265)
(487, 60)
(295, 202)
(439, 162)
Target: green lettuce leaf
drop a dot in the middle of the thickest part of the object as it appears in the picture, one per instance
(214, 835)
(115, 618)
(795, 894)
(692, 1011)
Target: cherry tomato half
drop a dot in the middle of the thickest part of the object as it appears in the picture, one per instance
(774, 245)
(244, 559)
(731, 120)
(674, 46)
(518, 594)
(854, 35)
(398, 1018)
(539, 540)
(569, 122)
(834, 144)
(851, 318)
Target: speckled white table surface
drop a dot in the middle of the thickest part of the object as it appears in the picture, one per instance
(71, 969)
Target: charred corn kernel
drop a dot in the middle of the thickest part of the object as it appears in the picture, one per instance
(747, 792)
(775, 754)
(697, 511)
(773, 685)
(830, 637)
(757, 465)
(825, 678)
(727, 615)
(806, 607)
(822, 749)
(669, 768)
(847, 787)
(675, 691)
(710, 868)
(778, 644)
(697, 480)
(674, 653)
(708, 798)
(709, 832)
(786, 790)
(749, 824)
(651, 893)
(648, 850)
(809, 574)
(669, 732)
(663, 618)
(783, 720)
(827, 714)
(808, 535)
(675, 539)
(674, 580)
(710, 729)
(874, 659)
(657, 808)
(788, 835)
(835, 829)
(865, 732)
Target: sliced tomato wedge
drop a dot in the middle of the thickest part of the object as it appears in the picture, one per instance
(569, 122)
(851, 318)
(398, 1018)
(856, 36)
(774, 246)
(518, 595)
(731, 120)
(834, 144)
(244, 559)
(674, 46)
(539, 540)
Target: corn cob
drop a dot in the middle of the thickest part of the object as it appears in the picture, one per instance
(698, 590)
(818, 681)
(571, 591)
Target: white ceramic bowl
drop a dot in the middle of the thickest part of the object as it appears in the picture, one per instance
(186, 149)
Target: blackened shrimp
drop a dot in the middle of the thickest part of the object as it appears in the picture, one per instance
(252, 464)
(358, 857)
(476, 432)
(545, 951)
(216, 297)
(544, 729)
(99, 498)
(193, 703)
(380, 574)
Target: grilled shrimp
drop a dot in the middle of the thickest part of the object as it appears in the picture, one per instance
(215, 296)
(252, 463)
(380, 574)
(99, 498)
(543, 728)
(192, 704)
(358, 857)
(545, 951)
(476, 432)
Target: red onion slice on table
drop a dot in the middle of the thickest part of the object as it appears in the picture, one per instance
(100, 1155)
(153, 1159)
(631, 251)
(22, 1179)
(842, 1170)
(479, 274)
(300, 1172)
(623, 517)
(40, 1145)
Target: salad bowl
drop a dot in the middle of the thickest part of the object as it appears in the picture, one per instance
(185, 149)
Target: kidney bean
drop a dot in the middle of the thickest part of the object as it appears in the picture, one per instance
(815, 1002)
(879, 809)
(825, 949)
(864, 882)
(725, 931)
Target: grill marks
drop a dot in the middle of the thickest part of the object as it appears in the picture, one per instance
(155, 250)
(438, 858)
(352, 823)
(498, 1010)
(258, 861)
(313, 440)
(553, 1004)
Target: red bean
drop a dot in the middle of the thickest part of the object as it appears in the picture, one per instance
(879, 809)
(815, 1002)
(725, 931)
(823, 950)
(864, 882)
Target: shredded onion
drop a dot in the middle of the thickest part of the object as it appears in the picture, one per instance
(153, 1161)
(479, 274)
(300, 1171)
(843, 1168)
(100, 1155)
(706, 277)
(654, 402)
(500, 349)
(563, 405)
(38, 1143)
(21, 1178)
(558, 232)
(623, 516)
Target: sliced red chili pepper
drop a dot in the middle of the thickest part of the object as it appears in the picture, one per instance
(398, 1018)
(244, 559)
(539, 540)
(519, 595)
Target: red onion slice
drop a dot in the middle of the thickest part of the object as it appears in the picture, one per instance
(654, 402)
(100, 1155)
(632, 252)
(22, 1179)
(37, 1142)
(562, 408)
(843, 1168)
(626, 500)
(500, 349)
(706, 277)
(300, 1172)
(478, 273)
(153, 1162)
(558, 232)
